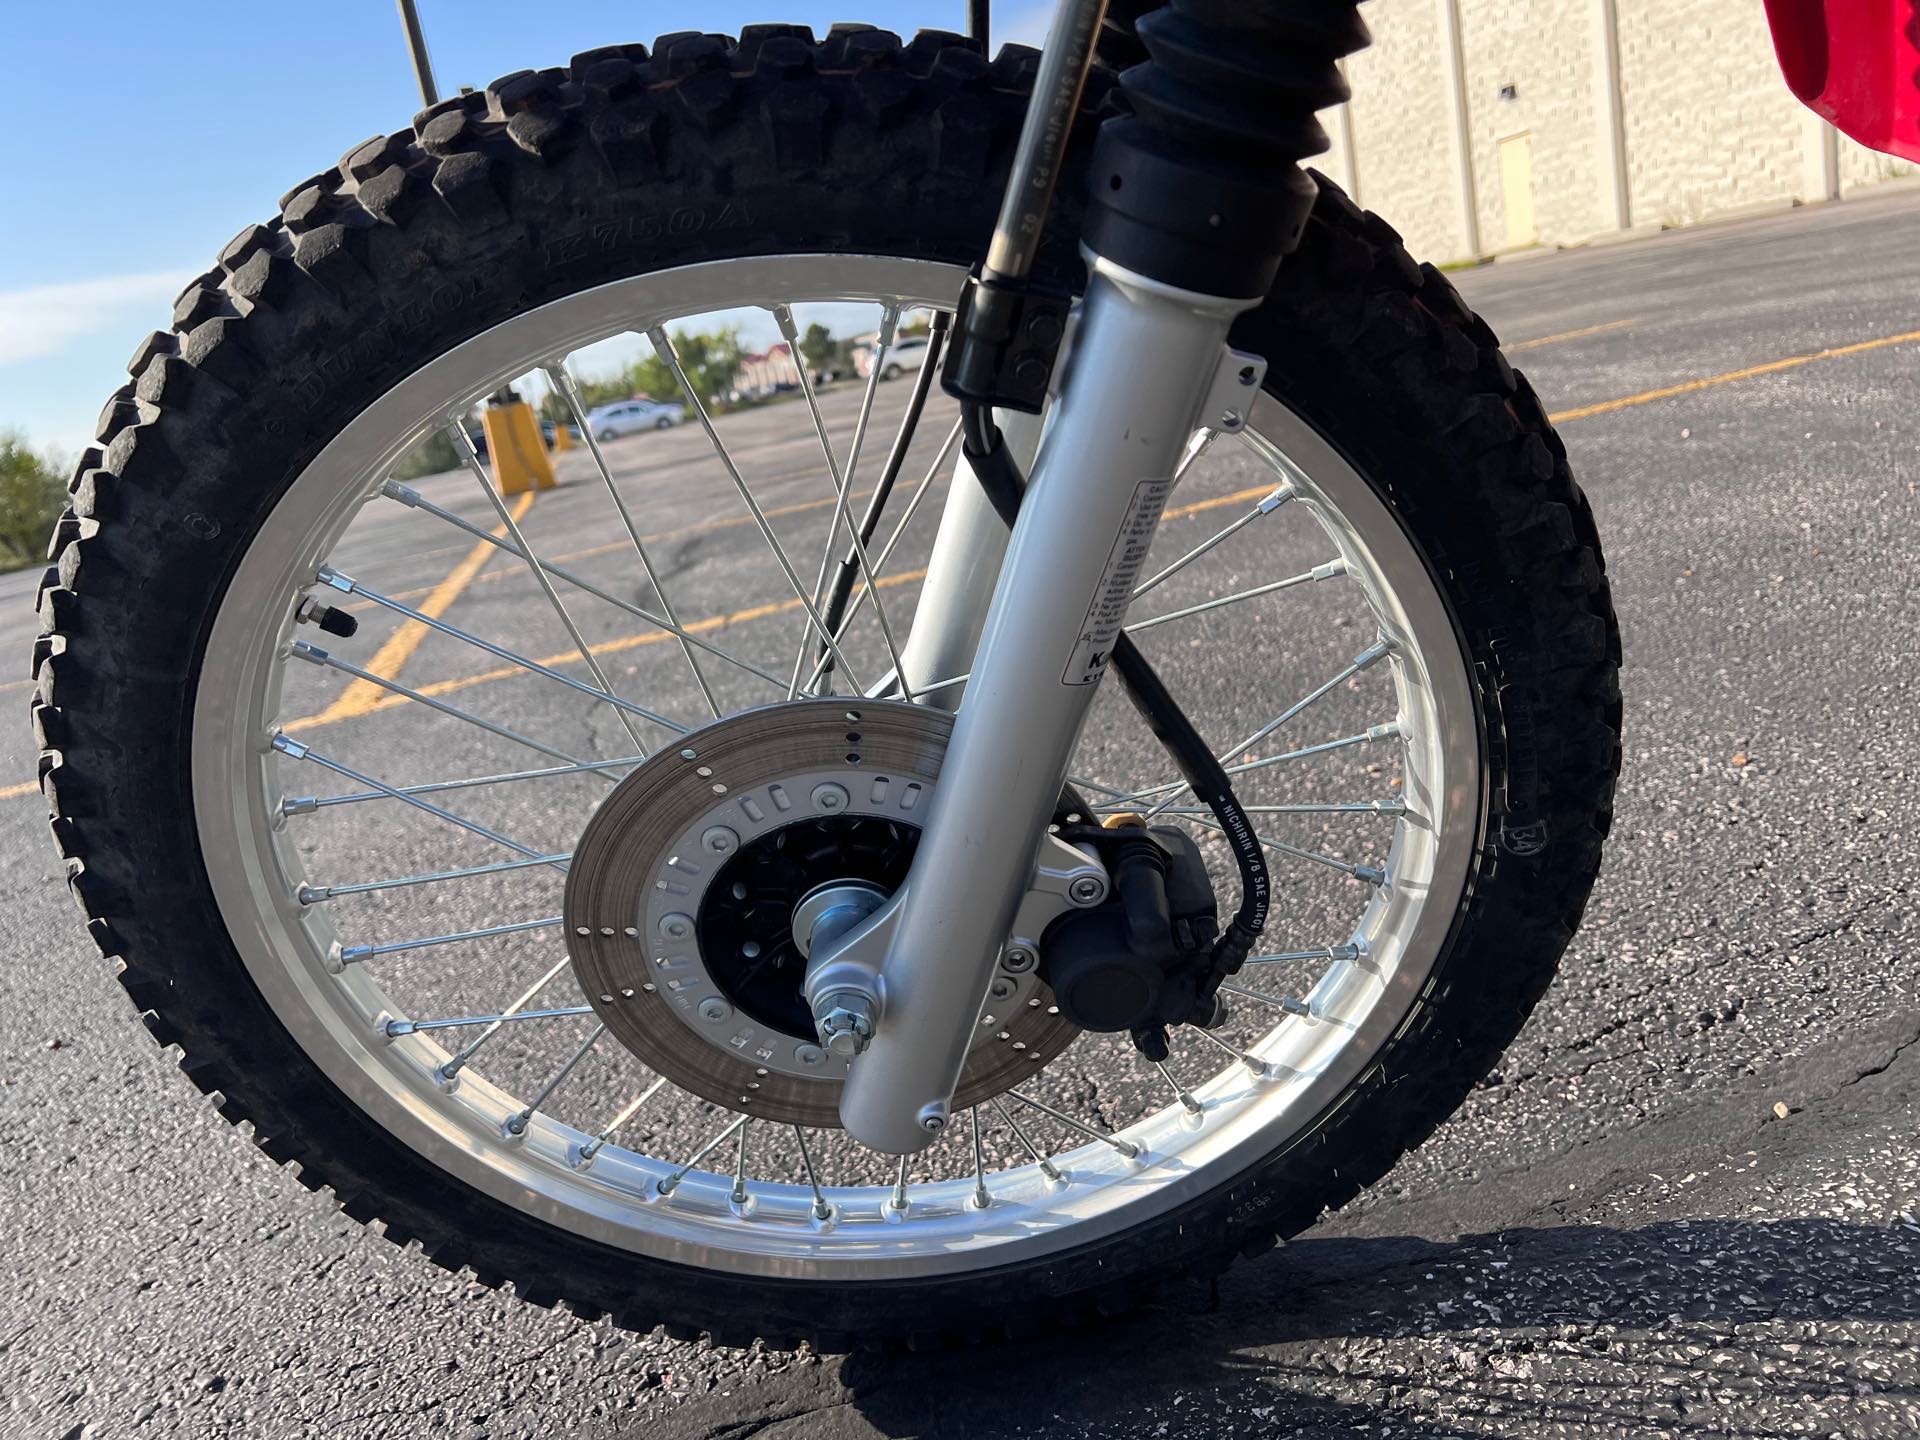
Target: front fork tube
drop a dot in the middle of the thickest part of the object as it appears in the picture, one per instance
(968, 554)
(1134, 385)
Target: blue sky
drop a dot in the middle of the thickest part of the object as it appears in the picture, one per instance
(158, 131)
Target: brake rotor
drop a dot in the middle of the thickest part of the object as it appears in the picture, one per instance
(676, 890)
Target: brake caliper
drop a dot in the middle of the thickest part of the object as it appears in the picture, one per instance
(1145, 958)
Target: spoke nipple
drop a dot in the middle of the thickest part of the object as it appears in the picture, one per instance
(1369, 875)
(288, 746)
(314, 894)
(1294, 1006)
(517, 1124)
(299, 805)
(1330, 569)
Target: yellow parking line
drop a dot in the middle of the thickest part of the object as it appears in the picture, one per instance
(380, 700)
(704, 527)
(1667, 392)
(605, 647)
(1566, 335)
(362, 695)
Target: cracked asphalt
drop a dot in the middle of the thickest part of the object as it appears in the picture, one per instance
(1685, 1205)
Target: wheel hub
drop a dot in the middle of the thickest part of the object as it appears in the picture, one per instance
(709, 872)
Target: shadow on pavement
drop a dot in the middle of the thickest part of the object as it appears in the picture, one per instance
(1688, 1327)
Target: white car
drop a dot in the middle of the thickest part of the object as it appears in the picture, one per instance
(625, 417)
(909, 352)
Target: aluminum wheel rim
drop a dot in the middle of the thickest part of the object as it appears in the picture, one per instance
(786, 1229)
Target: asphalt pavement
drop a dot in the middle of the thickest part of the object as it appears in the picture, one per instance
(1685, 1204)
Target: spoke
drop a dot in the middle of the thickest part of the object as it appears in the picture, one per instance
(1198, 444)
(1354, 807)
(410, 1027)
(1288, 1003)
(353, 953)
(415, 500)
(315, 894)
(663, 346)
(348, 585)
(1331, 954)
(1131, 799)
(517, 1124)
(898, 1202)
(314, 655)
(307, 804)
(1044, 1161)
(472, 1048)
(627, 1112)
(1125, 1147)
(1252, 1062)
(886, 551)
(561, 378)
(981, 1199)
(842, 482)
(295, 750)
(1187, 1102)
(739, 1195)
(464, 443)
(821, 1210)
(1327, 571)
(1282, 493)
(1354, 667)
(670, 1183)
(1366, 874)
(889, 317)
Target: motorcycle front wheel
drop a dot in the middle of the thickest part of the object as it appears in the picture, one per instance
(330, 866)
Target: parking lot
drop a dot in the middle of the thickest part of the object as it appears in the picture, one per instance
(1685, 1204)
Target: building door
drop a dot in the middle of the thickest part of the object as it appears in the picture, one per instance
(1516, 189)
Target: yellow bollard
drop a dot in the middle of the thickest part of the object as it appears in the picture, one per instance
(518, 454)
(562, 439)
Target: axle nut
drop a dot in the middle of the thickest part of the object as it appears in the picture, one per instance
(847, 1027)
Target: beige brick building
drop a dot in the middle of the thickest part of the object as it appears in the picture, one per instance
(1482, 126)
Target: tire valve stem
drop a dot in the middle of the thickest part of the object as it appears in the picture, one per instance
(329, 618)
